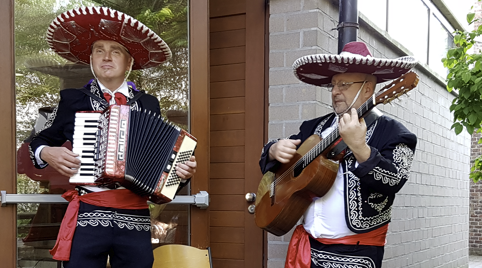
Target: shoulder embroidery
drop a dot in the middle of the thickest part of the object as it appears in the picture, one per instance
(402, 159)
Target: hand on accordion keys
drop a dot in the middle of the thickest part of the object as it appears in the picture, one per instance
(61, 159)
(187, 169)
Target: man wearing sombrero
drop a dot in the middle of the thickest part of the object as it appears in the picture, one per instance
(347, 227)
(101, 222)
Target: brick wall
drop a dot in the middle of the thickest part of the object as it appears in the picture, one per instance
(430, 214)
(475, 220)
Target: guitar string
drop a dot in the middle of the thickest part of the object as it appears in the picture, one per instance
(316, 150)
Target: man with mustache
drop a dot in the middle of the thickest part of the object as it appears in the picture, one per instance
(347, 226)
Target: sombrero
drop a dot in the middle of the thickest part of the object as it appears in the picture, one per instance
(73, 32)
(318, 69)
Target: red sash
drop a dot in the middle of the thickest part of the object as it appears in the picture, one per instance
(299, 249)
(120, 199)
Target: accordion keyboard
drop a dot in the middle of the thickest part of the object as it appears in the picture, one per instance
(84, 145)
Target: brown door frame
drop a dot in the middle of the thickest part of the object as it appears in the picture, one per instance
(200, 114)
(8, 230)
(254, 125)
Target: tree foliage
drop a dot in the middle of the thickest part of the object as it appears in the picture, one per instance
(464, 62)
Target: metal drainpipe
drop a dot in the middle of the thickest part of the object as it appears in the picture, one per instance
(348, 22)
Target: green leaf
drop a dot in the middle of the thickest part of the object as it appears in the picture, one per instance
(470, 17)
(466, 77)
(470, 129)
(472, 118)
(458, 128)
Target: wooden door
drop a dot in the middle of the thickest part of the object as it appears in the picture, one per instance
(7, 135)
(237, 88)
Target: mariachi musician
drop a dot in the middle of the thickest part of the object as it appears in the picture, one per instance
(101, 222)
(347, 226)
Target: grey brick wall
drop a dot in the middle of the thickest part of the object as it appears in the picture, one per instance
(430, 224)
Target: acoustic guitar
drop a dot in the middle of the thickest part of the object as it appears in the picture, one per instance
(284, 196)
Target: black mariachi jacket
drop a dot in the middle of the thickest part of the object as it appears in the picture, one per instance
(369, 188)
(59, 127)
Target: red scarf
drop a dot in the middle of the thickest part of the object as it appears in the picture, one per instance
(299, 249)
(120, 199)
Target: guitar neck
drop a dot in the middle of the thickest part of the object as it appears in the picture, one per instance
(335, 134)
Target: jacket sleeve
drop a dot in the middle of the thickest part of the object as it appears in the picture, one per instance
(264, 163)
(388, 167)
(53, 133)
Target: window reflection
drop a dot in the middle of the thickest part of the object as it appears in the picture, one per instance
(375, 11)
(40, 74)
(411, 33)
(440, 42)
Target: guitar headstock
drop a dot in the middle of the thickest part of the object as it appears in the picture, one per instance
(397, 88)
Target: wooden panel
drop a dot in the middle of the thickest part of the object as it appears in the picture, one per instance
(7, 135)
(226, 202)
(227, 105)
(227, 89)
(227, 251)
(220, 8)
(227, 234)
(199, 79)
(227, 218)
(227, 170)
(227, 138)
(221, 263)
(234, 154)
(227, 72)
(227, 186)
(234, 38)
(227, 121)
(228, 55)
(227, 23)
(256, 86)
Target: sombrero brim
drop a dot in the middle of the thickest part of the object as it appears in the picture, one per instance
(73, 32)
(318, 69)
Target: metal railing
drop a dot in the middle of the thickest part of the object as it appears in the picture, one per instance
(200, 199)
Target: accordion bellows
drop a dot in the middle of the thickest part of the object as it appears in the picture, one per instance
(136, 149)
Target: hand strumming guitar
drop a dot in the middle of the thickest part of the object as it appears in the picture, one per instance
(283, 150)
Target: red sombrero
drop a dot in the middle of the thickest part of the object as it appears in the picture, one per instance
(355, 57)
(73, 32)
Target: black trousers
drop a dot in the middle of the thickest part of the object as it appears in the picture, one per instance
(352, 256)
(122, 234)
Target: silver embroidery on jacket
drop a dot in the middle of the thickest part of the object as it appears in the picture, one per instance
(402, 160)
(332, 260)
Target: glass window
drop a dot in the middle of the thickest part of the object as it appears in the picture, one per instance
(41, 74)
(411, 33)
(440, 42)
(375, 11)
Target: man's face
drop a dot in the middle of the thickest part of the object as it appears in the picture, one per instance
(342, 96)
(110, 60)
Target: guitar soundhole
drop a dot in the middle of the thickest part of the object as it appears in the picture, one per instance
(297, 171)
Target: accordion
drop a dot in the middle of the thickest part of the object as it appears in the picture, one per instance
(132, 148)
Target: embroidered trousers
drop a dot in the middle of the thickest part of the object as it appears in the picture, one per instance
(345, 256)
(122, 234)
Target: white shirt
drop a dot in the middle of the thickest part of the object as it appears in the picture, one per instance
(325, 217)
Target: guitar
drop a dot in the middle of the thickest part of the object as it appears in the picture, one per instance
(284, 196)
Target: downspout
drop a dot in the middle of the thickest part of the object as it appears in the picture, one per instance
(348, 22)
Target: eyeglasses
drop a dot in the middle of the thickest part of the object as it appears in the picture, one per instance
(342, 86)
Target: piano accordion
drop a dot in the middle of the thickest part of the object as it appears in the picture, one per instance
(135, 149)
